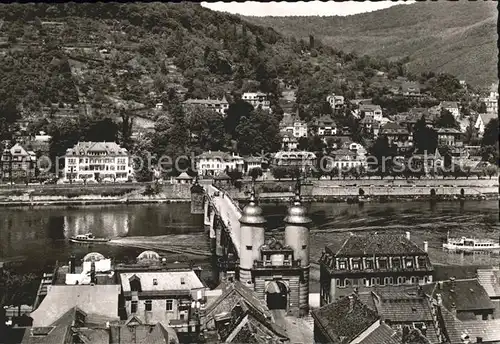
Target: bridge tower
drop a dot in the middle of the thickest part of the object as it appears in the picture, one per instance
(297, 226)
(252, 228)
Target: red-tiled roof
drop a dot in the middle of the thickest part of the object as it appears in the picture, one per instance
(376, 244)
(345, 319)
(467, 295)
(382, 334)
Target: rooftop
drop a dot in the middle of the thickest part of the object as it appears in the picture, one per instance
(449, 105)
(162, 281)
(84, 148)
(488, 330)
(382, 334)
(466, 294)
(376, 244)
(101, 300)
(369, 107)
(345, 319)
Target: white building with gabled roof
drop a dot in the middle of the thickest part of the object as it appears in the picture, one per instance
(97, 161)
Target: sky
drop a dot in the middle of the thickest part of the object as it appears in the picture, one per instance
(300, 8)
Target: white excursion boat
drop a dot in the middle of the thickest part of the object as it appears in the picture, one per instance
(87, 238)
(470, 244)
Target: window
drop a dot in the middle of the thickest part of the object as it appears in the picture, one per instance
(133, 307)
(342, 265)
(409, 263)
(382, 264)
(183, 281)
(304, 247)
(355, 264)
(135, 283)
(396, 263)
(249, 248)
(155, 281)
(170, 305)
(369, 264)
(341, 282)
(421, 262)
(148, 305)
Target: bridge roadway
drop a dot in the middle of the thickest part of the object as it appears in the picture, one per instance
(228, 211)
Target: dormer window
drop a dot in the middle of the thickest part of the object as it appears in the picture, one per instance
(342, 265)
(135, 283)
(409, 263)
(355, 264)
(369, 263)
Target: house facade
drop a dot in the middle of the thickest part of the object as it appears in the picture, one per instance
(336, 102)
(17, 164)
(364, 262)
(491, 101)
(257, 99)
(97, 161)
(482, 120)
(397, 136)
(344, 159)
(293, 125)
(302, 159)
(213, 163)
(325, 126)
(374, 111)
(451, 107)
(163, 296)
(449, 137)
(218, 105)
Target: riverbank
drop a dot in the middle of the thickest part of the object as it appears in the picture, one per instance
(331, 191)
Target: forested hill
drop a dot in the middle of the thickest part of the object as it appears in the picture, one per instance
(457, 37)
(130, 51)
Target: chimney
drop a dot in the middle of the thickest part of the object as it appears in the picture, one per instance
(453, 309)
(426, 246)
(72, 263)
(408, 235)
(351, 303)
(479, 339)
(439, 299)
(114, 334)
(424, 330)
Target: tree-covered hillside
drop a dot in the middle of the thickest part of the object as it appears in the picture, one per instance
(456, 37)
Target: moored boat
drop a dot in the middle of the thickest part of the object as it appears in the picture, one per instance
(470, 244)
(87, 238)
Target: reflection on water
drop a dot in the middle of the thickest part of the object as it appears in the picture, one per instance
(41, 233)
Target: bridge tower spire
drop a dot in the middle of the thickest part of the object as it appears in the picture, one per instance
(297, 226)
(252, 228)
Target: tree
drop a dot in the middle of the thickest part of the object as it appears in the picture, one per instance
(278, 172)
(482, 108)
(446, 120)
(490, 136)
(491, 170)
(255, 173)
(424, 138)
(471, 134)
(257, 133)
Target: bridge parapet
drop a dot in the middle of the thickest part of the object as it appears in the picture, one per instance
(228, 211)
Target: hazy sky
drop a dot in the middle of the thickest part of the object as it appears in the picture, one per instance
(329, 8)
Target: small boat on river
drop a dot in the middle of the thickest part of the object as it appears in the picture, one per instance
(87, 238)
(464, 244)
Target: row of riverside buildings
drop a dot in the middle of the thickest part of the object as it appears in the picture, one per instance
(374, 288)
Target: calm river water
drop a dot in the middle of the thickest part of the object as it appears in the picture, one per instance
(40, 234)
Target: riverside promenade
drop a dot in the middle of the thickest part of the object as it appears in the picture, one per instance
(325, 190)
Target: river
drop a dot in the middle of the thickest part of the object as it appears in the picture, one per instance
(40, 234)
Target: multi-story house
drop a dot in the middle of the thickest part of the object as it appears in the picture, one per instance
(374, 111)
(288, 141)
(482, 120)
(336, 102)
(97, 161)
(397, 136)
(344, 159)
(294, 126)
(410, 89)
(449, 137)
(451, 107)
(465, 298)
(257, 99)
(161, 296)
(370, 126)
(213, 163)
(492, 100)
(383, 315)
(17, 163)
(325, 126)
(218, 105)
(364, 262)
(303, 160)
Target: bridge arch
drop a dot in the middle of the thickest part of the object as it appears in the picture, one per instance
(277, 294)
